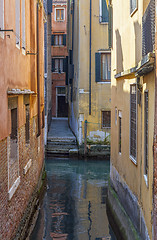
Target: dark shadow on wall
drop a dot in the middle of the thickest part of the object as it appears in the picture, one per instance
(119, 53)
(138, 42)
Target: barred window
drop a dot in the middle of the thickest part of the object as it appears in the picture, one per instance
(120, 130)
(106, 119)
(133, 121)
(146, 132)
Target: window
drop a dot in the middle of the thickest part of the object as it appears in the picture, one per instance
(27, 124)
(133, 122)
(23, 25)
(106, 119)
(133, 6)
(58, 40)
(103, 67)
(59, 14)
(17, 22)
(103, 9)
(120, 130)
(146, 133)
(115, 116)
(13, 161)
(59, 65)
(2, 17)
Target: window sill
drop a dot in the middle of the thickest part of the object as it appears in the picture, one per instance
(58, 72)
(106, 128)
(58, 45)
(104, 82)
(133, 12)
(27, 167)
(14, 188)
(133, 160)
(146, 180)
(103, 23)
(18, 46)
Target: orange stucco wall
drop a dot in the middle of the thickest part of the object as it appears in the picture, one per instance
(18, 70)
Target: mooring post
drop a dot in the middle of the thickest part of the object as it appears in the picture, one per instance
(85, 138)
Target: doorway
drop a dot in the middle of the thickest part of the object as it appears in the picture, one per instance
(61, 105)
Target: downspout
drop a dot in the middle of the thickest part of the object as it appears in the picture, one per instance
(38, 78)
(73, 30)
(90, 52)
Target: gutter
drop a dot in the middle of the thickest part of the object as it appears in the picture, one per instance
(38, 77)
(90, 52)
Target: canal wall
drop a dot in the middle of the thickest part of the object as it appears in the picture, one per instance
(125, 209)
(94, 150)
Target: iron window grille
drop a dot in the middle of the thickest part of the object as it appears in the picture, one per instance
(133, 122)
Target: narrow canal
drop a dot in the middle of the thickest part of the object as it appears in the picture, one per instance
(74, 205)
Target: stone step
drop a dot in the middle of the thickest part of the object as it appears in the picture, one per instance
(62, 142)
(53, 147)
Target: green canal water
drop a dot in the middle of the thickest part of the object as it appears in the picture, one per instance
(74, 205)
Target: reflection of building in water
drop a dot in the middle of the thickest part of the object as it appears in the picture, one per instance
(91, 218)
(61, 207)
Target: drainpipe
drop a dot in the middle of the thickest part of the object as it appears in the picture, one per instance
(38, 78)
(90, 51)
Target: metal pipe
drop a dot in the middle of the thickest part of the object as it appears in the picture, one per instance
(38, 77)
(90, 52)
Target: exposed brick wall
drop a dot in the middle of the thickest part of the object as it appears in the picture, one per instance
(13, 210)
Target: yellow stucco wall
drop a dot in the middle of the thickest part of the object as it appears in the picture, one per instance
(126, 53)
(101, 92)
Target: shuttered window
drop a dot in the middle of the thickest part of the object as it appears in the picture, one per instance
(23, 25)
(103, 67)
(104, 14)
(146, 132)
(17, 22)
(59, 65)
(120, 130)
(133, 122)
(58, 40)
(133, 6)
(2, 17)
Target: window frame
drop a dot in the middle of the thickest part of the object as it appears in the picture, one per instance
(27, 124)
(2, 18)
(120, 132)
(59, 20)
(132, 11)
(58, 36)
(98, 69)
(146, 134)
(101, 14)
(17, 22)
(102, 119)
(133, 159)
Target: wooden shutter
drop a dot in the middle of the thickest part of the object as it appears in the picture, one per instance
(64, 64)
(64, 39)
(53, 65)
(98, 67)
(66, 81)
(105, 14)
(52, 39)
(110, 26)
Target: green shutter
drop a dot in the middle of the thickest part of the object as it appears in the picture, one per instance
(64, 39)
(64, 65)
(98, 67)
(105, 14)
(52, 39)
(52, 64)
(110, 27)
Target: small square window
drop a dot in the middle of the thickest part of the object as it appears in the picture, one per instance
(106, 119)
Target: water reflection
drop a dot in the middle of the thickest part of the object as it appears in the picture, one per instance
(74, 205)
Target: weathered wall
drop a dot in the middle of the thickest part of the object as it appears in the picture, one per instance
(100, 92)
(126, 53)
(19, 71)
